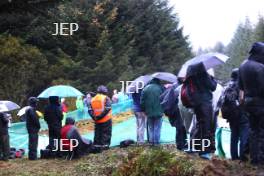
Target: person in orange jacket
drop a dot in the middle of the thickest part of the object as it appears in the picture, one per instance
(100, 111)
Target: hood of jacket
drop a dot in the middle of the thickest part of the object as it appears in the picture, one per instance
(257, 52)
(196, 69)
(54, 100)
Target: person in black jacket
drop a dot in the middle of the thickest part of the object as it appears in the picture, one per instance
(4, 137)
(251, 83)
(53, 116)
(33, 126)
(204, 86)
(237, 118)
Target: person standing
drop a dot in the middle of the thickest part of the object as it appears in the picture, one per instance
(4, 137)
(101, 112)
(33, 126)
(150, 104)
(202, 85)
(237, 118)
(80, 107)
(140, 116)
(115, 96)
(53, 116)
(251, 84)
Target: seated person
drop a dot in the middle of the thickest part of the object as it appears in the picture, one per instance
(70, 131)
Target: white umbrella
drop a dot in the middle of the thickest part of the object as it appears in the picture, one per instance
(23, 110)
(165, 76)
(6, 106)
(210, 60)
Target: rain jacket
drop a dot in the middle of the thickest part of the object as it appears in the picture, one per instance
(32, 120)
(204, 83)
(251, 76)
(136, 101)
(71, 132)
(53, 113)
(79, 103)
(150, 99)
(3, 124)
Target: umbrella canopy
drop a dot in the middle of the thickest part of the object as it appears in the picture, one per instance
(23, 110)
(6, 106)
(165, 76)
(210, 60)
(136, 84)
(60, 91)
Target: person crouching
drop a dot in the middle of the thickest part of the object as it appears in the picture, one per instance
(100, 111)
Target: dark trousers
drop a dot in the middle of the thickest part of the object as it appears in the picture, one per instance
(54, 133)
(181, 134)
(239, 133)
(204, 128)
(4, 147)
(32, 146)
(256, 134)
(103, 133)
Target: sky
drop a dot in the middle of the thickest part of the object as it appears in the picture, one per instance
(209, 21)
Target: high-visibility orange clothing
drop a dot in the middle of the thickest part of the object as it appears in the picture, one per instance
(98, 106)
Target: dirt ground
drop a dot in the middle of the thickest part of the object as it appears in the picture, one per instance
(105, 163)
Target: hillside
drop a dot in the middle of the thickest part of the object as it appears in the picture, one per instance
(141, 160)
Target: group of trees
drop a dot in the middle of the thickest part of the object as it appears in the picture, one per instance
(245, 35)
(117, 41)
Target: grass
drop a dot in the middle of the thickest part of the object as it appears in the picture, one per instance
(131, 161)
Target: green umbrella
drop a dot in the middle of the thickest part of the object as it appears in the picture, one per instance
(60, 91)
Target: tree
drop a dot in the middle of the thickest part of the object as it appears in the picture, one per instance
(23, 69)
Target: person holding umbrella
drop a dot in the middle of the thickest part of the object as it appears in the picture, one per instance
(4, 137)
(33, 126)
(196, 93)
(150, 104)
(5, 106)
(53, 116)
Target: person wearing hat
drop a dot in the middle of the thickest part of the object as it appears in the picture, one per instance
(100, 111)
(33, 126)
(251, 84)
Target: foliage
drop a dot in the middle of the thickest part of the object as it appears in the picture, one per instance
(21, 66)
(155, 162)
(117, 40)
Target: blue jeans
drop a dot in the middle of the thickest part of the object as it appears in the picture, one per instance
(154, 127)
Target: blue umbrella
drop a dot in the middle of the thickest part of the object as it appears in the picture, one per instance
(165, 76)
(6, 106)
(137, 83)
(60, 91)
(210, 60)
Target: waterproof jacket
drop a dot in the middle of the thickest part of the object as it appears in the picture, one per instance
(32, 120)
(100, 108)
(136, 101)
(53, 113)
(3, 124)
(251, 79)
(150, 99)
(71, 132)
(251, 73)
(204, 83)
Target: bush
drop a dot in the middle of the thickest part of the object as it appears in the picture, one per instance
(155, 162)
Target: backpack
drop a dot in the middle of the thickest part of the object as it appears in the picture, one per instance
(230, 106)
(169, 102)
(188, 92)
